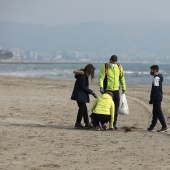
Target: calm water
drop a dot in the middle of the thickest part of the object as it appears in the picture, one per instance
(134, 73)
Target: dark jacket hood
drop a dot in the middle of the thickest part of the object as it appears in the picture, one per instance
(78, 73)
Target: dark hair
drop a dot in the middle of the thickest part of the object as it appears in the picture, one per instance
(109, 92)
(113, 58)
(89, 69)
(154, 67)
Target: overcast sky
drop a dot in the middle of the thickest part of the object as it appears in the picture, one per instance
(56, 12)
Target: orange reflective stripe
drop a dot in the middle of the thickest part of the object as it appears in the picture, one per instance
(106, 69)
(119, 66)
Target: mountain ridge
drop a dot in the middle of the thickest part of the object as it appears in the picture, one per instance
(128, 39)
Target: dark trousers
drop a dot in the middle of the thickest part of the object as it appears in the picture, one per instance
(82, 113)
(157, 115)
(96, 118)
(116, 99)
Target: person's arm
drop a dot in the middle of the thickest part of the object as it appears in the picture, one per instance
(151, 98)
(94, 105)
(122, 79)
(156, 92)
(112, 110)
(102, 76)
(83, 86)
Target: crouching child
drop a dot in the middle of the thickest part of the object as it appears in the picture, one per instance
(103, 110)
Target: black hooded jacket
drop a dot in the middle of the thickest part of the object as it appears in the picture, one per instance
(81, 89)
(156, 90)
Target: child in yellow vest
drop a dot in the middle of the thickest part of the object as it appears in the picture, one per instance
(103, 111)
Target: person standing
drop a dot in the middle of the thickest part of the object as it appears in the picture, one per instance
(156, 97)
(111, 78)
(81, 93)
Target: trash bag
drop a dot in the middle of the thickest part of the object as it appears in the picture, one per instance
(123, 106)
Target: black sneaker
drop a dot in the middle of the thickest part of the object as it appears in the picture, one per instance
(98, 128)
(88, 126)
(163, 130)
(115, 128)
(79, 126)
(151, 129)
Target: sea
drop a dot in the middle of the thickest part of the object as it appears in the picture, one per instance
(135, 73)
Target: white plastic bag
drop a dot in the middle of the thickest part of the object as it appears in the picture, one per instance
(123, 106)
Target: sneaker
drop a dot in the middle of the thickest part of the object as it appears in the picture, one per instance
(98, 128)
(88, 126)
(150, 129)
(79, 126)
(104, 126)
(115, 128)
(163, 129)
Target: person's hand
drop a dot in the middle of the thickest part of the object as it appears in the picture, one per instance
(123, 91)
(101, 90)
(150, 102)
(94, 95)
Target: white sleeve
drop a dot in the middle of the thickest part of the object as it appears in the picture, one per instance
(156, 81)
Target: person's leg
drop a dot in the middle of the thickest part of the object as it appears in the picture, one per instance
(116, 99)
(154, 116)
(104, 118)
(85, 114)
(80, 112)
(79, 115)
(160, 115)
(96, 120)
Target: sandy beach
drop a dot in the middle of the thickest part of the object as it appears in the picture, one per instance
(37, 130)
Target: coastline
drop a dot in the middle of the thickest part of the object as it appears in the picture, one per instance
(37, 129)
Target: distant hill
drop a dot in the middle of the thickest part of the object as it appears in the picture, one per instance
(131, 40)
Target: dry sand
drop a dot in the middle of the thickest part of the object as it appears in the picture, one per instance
(37, 130)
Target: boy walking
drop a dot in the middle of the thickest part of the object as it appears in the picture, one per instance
(156, 96)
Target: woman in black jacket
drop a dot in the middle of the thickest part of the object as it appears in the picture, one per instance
(81, 93)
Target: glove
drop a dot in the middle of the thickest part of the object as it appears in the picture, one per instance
(94, 95)
(150, 102)
(101, 90)
(123, 91)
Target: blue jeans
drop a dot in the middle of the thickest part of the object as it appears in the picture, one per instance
(157, 114)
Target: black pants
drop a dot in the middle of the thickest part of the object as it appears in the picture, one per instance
(82, 113)
(157, 115)
(96, 118)
(116, 99)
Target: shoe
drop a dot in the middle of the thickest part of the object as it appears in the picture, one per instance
(104, 126)
(115, 128)
(150, 129)
(79, 126)
(88, 126)
(98, 128)
(163, 129)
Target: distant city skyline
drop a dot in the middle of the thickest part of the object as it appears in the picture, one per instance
(20, 55)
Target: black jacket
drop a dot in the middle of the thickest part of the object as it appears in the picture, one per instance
(81, 89)
(156, 90)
